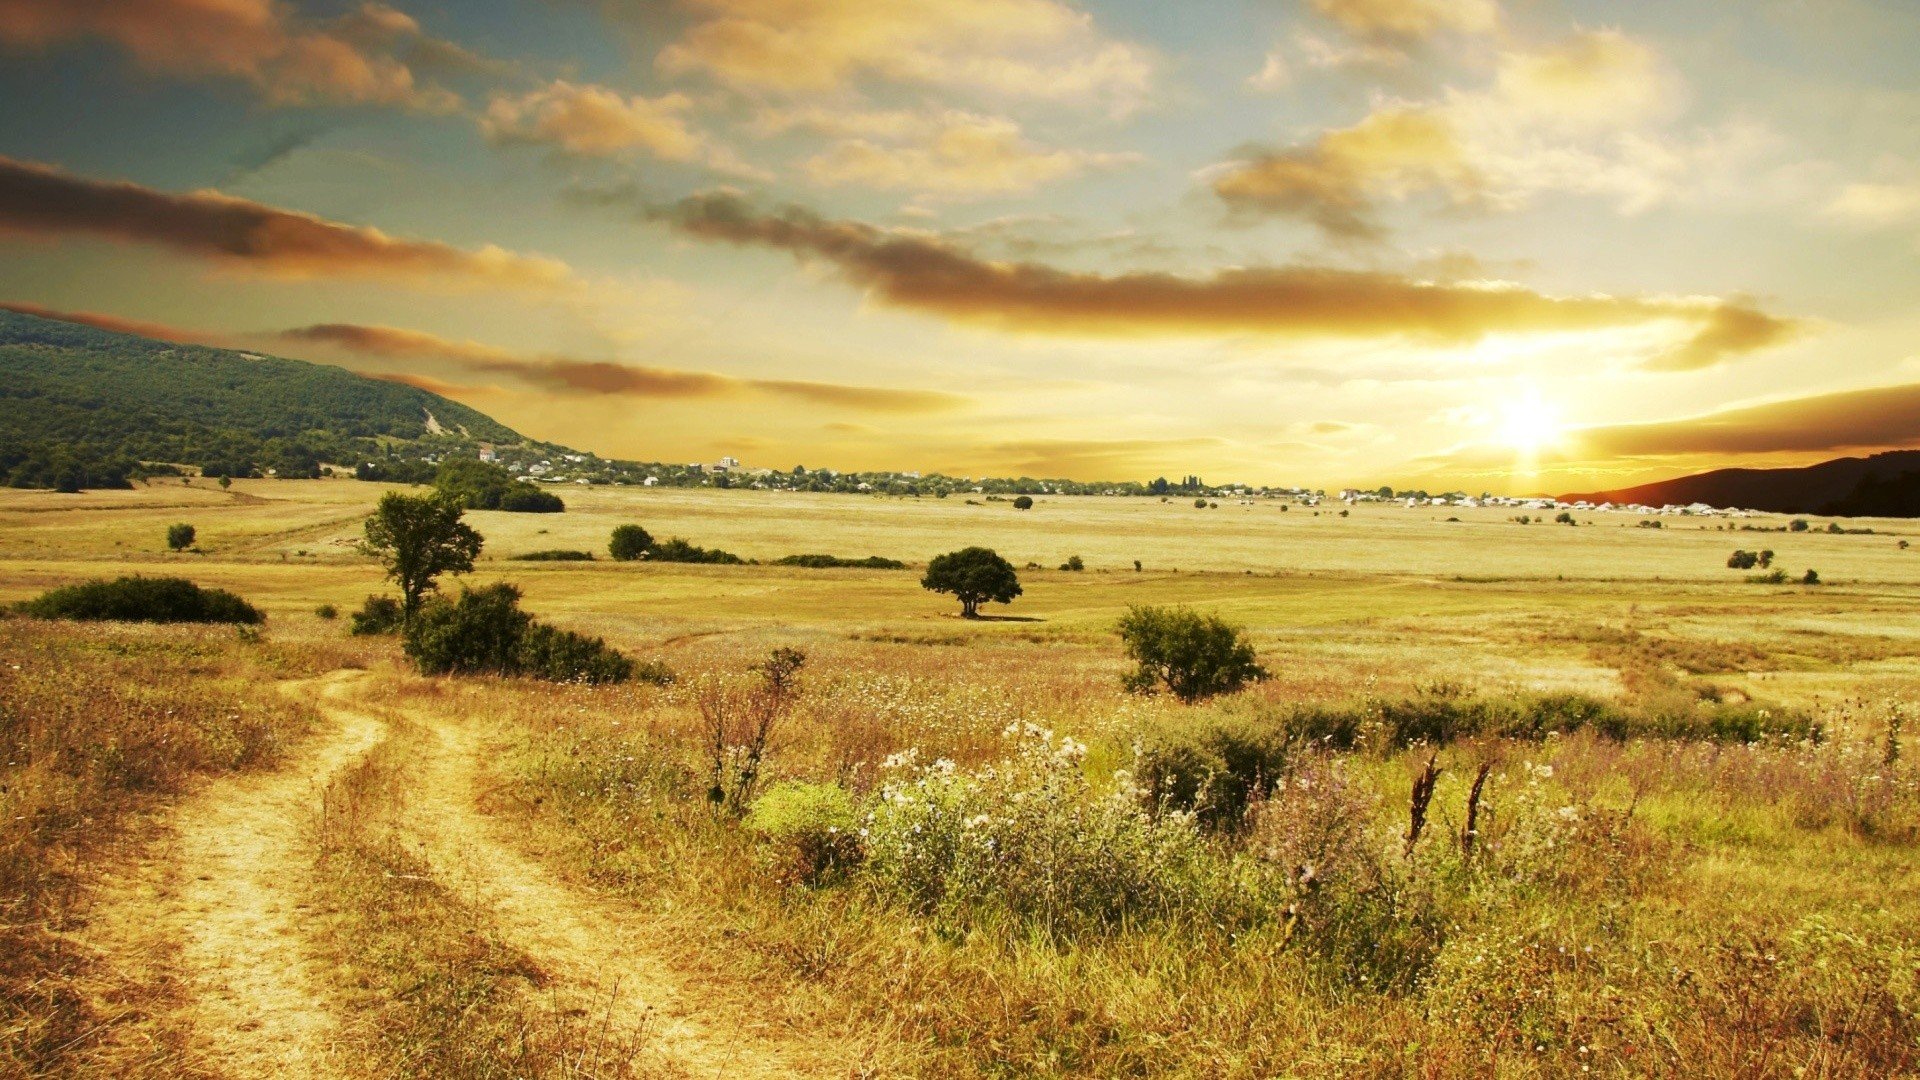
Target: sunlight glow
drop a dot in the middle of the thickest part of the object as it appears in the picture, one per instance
(1530, 424)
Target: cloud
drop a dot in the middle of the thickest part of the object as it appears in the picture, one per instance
(1027, 49)
(40, 200)
(1872, 206)
(114, 323)
(1731, 329)
(432, 385)
(1887, 416)
(606, 377)
(954, 154)
(1566, 117)
(593, 121)
(258, 42)
(1336, 180)
(912, 270)
(1411, 19)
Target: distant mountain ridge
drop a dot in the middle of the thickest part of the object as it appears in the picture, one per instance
(1850, 485)
(82, 406)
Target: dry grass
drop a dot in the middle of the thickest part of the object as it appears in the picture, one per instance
(98, 724)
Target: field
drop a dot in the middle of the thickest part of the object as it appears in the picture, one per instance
(281, 852)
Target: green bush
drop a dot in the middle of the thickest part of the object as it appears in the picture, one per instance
(327, 611)
(677, 550)
(1074, 563)
(827, 562)
(628, 542)
(377, 615)
(479, 485)
(814, 829)
(1024, 502)
(1191, 655)
(143, 599)
(484, 632)
(1213, 769)
(478, 634)
(180, 537)
(1743, 560)
(555, 555)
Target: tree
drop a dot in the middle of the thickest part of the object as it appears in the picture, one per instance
(1024, 502)
(973, 575)
(419, 538)
(180, 537)
(629, 542)
(1191, 654)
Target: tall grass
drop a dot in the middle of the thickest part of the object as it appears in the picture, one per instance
(98, 722)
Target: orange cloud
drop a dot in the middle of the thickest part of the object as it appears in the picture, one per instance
(1335, 180)
(1564, 117)
(1411, 19)
(39, 200)
(922, 273)
(1040, 49)
(114, 323)
(953, 153)
(607, 377)
(255, 41)
(1881, 417)
(594, 121)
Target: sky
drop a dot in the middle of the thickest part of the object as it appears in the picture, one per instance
(1504, 245)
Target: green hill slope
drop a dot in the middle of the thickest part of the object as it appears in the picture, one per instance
(83, 407)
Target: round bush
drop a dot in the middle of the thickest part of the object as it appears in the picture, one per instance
(143, 599)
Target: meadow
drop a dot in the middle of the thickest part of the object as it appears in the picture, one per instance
(481, 877)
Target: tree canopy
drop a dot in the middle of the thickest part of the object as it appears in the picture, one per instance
(420, 538)
(974, 576)
(1190, 654)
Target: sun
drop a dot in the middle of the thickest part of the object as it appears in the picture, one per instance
(1530, 425)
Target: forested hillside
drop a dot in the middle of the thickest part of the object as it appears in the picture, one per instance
(83, 407)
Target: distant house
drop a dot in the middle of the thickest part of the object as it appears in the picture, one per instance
(651, 481)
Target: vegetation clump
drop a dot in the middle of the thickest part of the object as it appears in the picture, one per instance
(677, 550)
(974, 576)
(814, 828)
(180, 537)
(143, 599)
(1024, 502)
(485, 632)
(555, 555)
(480, 485)
(1190, 655)
(829, 562)
(377, 615)
(1215, 769)
(628, 542)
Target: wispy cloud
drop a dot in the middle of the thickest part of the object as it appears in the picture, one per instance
(40, 200)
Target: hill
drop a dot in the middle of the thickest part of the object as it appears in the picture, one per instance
(1853, 485)
(85, 407)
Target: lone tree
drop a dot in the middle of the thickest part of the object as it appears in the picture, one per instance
(629, 542)
(420, 538)
(1192, 655)
(974, 576)
(1024, 502)
(180, 537)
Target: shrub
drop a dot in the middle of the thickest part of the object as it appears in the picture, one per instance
(629, 542)
(1776, 576)
(1797, 525)
(180, 537)
(377, 615)
(1812, 577)
(547, 652)
(1742, 560)
(1199, 504)
(1074, 562)
(143, 599)
(1564, 518)
(814, 828)
(974, 576)
(485, 633)
(1213, 769)
(477, 634)
(1024, 502)
(1031, 840)
(829, 562)
(327, 611)
(555, 555)
(1191, 655)
(680, 551)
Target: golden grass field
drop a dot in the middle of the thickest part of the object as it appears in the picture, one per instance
(487, 877)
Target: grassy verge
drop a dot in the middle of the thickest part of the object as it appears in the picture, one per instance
(97, 724)
(431, 987)
(1631, 904)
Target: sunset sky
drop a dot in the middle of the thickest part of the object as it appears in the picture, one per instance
(1533, 245)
